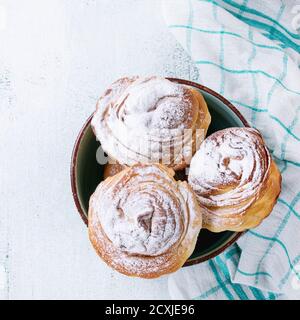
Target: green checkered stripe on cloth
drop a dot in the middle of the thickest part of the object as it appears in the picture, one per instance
(249, 51)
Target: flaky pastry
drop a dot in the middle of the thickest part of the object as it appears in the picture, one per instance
(144, 223)
(151, 120)
(235, 180)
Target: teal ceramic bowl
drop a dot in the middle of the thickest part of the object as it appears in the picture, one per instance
(87, 173)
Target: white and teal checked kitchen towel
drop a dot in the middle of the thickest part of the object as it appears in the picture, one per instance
(249, 51)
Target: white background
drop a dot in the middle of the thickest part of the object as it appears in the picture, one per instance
(56, 58)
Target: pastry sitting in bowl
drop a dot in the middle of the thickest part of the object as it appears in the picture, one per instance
(235, 180)
(144, 223)
(111, 169)
(151, 120)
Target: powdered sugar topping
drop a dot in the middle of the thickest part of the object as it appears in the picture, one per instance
(229, 167)
(143, 211)
(138, 117)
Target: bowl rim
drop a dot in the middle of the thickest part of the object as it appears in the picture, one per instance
(74, 158)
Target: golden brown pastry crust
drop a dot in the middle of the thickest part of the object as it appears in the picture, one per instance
(235, 180)
(111, 169)
(143, 223)
(151, 120)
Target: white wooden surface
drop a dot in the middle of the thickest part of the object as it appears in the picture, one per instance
(56, 57)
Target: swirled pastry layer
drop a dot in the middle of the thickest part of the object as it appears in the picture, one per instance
(235, 179)
(151, 120)
(144, 223)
